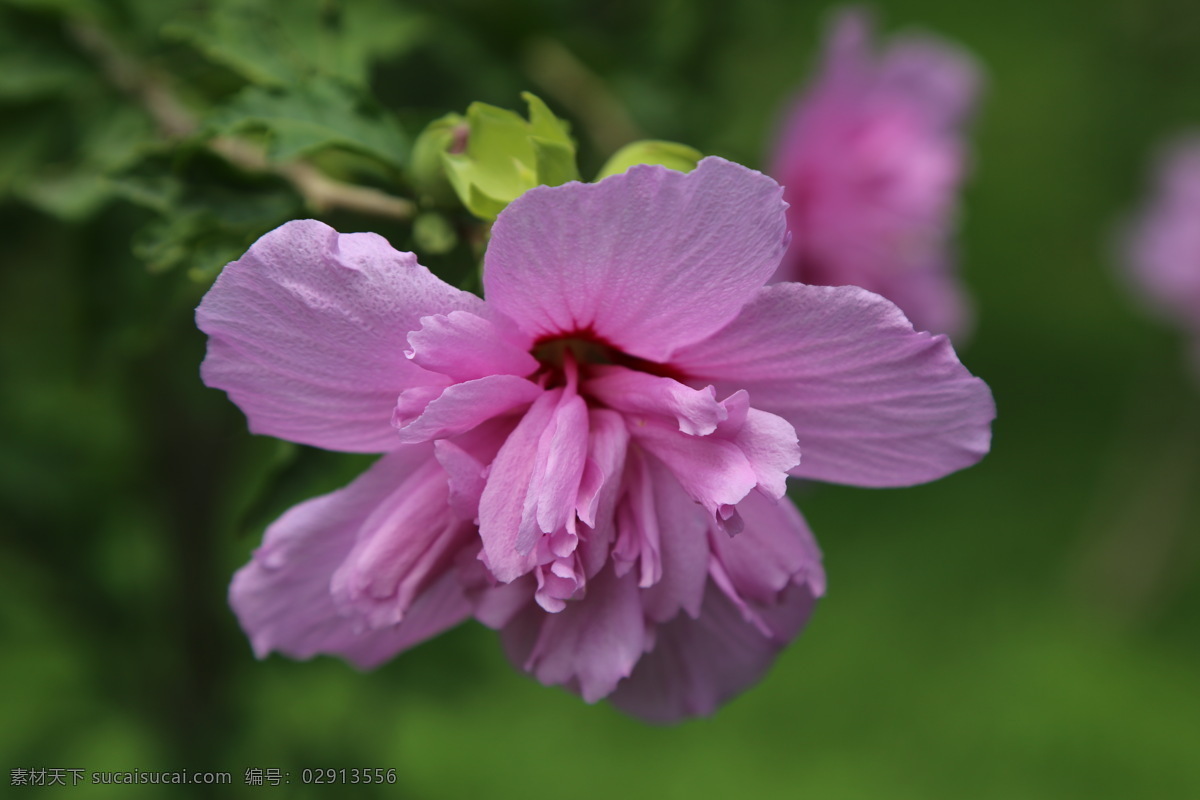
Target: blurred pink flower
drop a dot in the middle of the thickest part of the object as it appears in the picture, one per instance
(1163, 252)
(593, 460)
(871, 158)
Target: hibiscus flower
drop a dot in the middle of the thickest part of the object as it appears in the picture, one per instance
(593, 458)
(1163, 248)
(872, 156)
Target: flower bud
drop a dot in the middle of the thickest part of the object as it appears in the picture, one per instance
(649, 151)
(446, 134)
(506, 155)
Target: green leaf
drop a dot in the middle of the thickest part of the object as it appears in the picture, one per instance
(374, 32)
(311, 117)
(207, 213)
(207, 229)
(282, 43)
(157, 192)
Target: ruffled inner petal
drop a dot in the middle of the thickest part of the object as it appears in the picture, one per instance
(409, 540)
(719, 451)
(283, 600)
(464, 346)
(465, 478)
(502, 504)
(681, 549)
(587, 647)
(712, 470)
(774, 551)
(762, 587)
(699, 663)
(461, 407)
(767, 441)
(638, 393)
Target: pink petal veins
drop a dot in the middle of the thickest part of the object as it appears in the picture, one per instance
(465, 346)
(604, 257)
(307, 332)
(283, 600)
(460, 407)
(872, 402)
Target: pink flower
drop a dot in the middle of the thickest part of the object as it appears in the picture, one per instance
(593, 460)
(871, 158)
(1164, 248)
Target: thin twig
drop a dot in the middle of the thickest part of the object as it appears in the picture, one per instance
(320, 192)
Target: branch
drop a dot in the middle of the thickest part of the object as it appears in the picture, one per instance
(175, 121)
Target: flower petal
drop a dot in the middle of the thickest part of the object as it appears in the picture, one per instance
(698, 664)
(507, 516)
(495, 604)
(307, 333)
(872, 402)
(713, 470)
(459, 408)
(601, 485)
(464, 346)
(282, 597)
(767, 441)
(464, 477)
(933, 296)
(1162, 246)
(606, 258)
(932, 75)
(872, 157)
(683, 549)
(765, 582)
(588, 646)
(561, 459)
(638, 393)
(409, 540)
(775, 549)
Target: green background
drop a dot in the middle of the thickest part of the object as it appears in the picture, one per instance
(1026, 628)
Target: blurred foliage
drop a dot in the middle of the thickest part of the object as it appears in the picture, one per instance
(284, 43)
(1023, 629)
(317, 114)
(138, 101)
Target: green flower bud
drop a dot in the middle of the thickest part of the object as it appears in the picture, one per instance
(446, 134)
(505, 156)
(648, 151)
